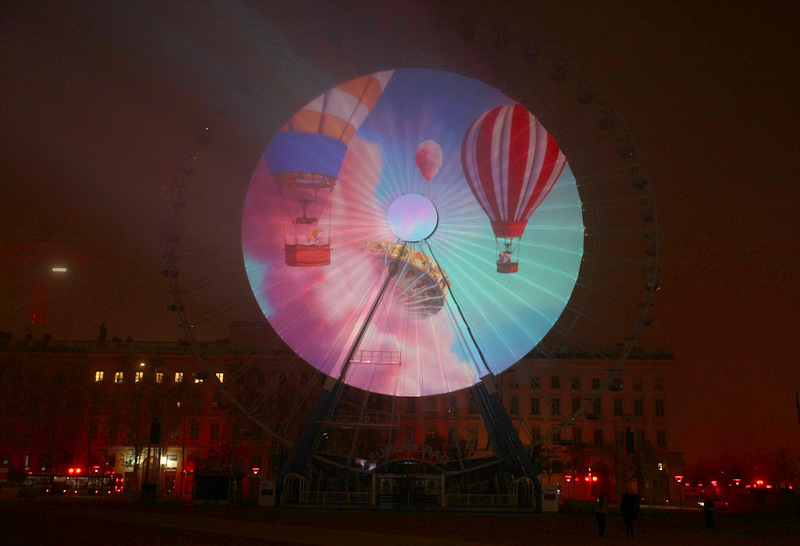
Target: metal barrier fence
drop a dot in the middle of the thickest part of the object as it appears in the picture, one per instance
(334, 497)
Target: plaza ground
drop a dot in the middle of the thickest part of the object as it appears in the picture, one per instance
(85, 521)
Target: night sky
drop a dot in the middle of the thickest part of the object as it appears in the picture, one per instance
(100, 104)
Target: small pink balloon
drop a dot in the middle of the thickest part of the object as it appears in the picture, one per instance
(428, 159)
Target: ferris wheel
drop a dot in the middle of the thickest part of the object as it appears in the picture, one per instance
(412, 232)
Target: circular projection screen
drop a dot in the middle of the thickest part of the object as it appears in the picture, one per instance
(412, 231)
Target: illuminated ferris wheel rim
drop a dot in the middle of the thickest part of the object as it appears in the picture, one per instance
(315, 302)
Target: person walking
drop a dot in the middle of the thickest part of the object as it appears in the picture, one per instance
(628, 509)
(709, 513)
(600, 513)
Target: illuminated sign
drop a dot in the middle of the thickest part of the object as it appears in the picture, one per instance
(171, 463)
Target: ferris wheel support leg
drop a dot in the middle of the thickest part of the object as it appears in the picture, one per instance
(506, 440)
(328, 401)
(304, 446)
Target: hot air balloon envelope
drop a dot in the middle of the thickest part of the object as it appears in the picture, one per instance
(428, 159)
(511, 162)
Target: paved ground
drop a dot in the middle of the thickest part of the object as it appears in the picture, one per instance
(102, 521)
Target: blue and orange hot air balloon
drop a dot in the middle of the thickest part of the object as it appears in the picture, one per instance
(511, 162)
(305, 158)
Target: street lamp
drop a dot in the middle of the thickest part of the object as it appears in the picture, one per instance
(41, 293)
(568, 477)
(679, 479)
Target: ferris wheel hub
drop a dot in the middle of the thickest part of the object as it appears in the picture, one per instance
(412, 217)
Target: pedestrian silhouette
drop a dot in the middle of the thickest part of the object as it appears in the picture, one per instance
(628, 507)
(709, 512)
(600, 514)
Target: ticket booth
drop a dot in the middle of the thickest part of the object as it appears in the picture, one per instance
(549, 498)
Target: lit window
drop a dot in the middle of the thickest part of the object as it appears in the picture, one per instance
(118, 377)
(221, 376)
(98, 377)
(198, 379)
(138, 376)
(159, 377)
(178, 377)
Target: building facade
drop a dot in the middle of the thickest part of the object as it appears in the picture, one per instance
(164, 414)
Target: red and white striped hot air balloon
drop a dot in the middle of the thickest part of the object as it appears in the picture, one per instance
(511, 162)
